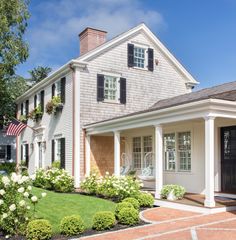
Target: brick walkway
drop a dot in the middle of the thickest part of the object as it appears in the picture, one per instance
(179, 225)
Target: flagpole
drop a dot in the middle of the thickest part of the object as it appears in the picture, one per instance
(26, 125)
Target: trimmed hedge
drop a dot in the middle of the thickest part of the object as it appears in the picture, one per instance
(145, 199)
(103, 220)
(133, 201)
(128, 216)
(72, 225)
(122, 205)
(39, 229)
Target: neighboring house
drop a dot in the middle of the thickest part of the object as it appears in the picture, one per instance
(7, 146)
(129, 73)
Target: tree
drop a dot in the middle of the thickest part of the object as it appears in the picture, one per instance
(39, 73)
(13, 22)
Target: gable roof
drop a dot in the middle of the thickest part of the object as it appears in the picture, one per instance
(226, 91)
(139, 28)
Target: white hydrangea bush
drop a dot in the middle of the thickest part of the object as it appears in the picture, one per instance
(15, 200)
(111, 186)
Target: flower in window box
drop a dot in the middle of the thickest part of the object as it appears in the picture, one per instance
(23, 118)
(36, 114)
(54, 105)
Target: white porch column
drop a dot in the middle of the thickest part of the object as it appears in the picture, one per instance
(158, 160)
(117, 153)
(209, 162)
(88, 149)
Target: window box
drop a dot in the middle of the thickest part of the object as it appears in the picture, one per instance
(54, 105)
(23, 118)
(36, 114)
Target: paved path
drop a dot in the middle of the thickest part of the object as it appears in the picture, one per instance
(169, 224)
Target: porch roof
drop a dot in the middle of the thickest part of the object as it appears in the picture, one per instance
(221, 94)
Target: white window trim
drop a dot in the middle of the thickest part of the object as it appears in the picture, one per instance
(56, 88)
(117, 76)
(177, 162)
(144, 46)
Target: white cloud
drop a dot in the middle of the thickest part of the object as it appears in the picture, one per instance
(55, 24)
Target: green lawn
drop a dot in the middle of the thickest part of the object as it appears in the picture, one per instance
(57, 205)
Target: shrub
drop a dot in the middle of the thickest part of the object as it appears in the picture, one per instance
(72, 225)
(56, 164)
(111, 186)
(178, 191)
(54, 179)
(8, 167)
(39, 230)
(145, 199)
(133, 201)
(128, 216)
(15, 198)
(103, 220)
(122, 205)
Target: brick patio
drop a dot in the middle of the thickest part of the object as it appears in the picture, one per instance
(176, 224)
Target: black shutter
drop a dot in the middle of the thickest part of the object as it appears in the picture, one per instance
(53, 150)
(63, 89)
(63, 153)
(150, 59)
(100, 87)
(42, 100)
(27, 155)
(53, 90)
(26, 107)
(1, 121)
(123, 90)
(21, 109)
(130, 55)
(21, 152)
(8, 152)
(35, 101)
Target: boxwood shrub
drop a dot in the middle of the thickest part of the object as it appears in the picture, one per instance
(128, 216)
(178, 191)
(145, 199)
(103, 220)
(133, 201)
(122, 205)
(72, 225)
(39, 230)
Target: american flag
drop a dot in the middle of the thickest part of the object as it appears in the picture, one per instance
(15, 128)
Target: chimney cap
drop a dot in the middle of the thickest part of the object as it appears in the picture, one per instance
(95, 29)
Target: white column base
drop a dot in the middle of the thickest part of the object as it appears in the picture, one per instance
(117, 153)
(209, 203)
(157, 195)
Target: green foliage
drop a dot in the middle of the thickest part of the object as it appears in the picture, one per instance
(36, 114)
(54, 179)
(111, 186)
(128, 216)
(145, 199)
(39, 230)
(23, 118)
(178, 191)
(56, 164)
(13, 22)
(53, 105)
(122, 205)
(8, 167)
(72, 225)
(39, 73)
(133, 201)
(103, 220)
(15, 199)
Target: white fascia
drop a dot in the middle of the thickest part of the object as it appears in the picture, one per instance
(188, 111)
(51, 78)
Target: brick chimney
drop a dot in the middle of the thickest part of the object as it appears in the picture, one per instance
(91, 38)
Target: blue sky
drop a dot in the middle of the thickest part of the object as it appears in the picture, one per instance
(201, 34)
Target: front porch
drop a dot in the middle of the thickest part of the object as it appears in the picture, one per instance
(187, 149)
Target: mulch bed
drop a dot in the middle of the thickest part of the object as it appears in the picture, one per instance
(88, 232)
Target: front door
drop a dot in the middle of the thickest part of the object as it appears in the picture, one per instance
(228, 159)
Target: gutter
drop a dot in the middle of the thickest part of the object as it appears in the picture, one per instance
(62, 70)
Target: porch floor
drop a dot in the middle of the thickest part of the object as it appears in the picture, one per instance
(197, 200)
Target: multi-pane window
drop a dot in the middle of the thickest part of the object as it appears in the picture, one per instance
(3, 152)
(58, 149)
(141, 147)
(169, 150)
(139, 57)
(58, 88)
(110, 88)
(184, 149)
(137, 153)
